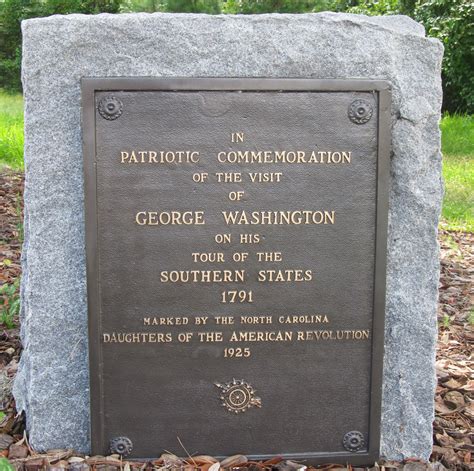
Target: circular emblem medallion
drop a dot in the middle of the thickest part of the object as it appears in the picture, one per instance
(238, 396)
(360, 111)
(353, 441)
(121, 446)
(110, 108)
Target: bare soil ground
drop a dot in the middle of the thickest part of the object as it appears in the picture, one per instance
(454, 401)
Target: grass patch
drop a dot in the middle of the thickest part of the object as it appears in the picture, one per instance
(458, 135)
(457, 146)
(10, 303)
(458, 172)
(11, 130)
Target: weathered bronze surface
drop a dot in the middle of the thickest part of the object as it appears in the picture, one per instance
(236, 239)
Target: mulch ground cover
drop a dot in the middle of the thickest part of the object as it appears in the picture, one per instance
(454, 401)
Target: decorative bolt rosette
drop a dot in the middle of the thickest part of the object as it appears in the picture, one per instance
(238, 396)
(110, 108)
(360, 111)
(353, 441)
(121, 446)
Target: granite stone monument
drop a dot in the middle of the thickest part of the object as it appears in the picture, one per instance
(62, 52)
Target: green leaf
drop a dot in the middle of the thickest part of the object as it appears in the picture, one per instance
(5, 465)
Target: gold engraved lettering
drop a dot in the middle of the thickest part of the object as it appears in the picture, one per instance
(229, 177)
(201, 320)
(249, 238)
(333, 335)
(185, 337)
(224, 320)
(212, 257)
(166, 218)
(165, 320)
(202, 276)
(238, 353)
(136, 337)
(269, 256)
(274, 276)
(314, 319)
(298, 217)
(284, 157)
(210, 336)
(280, 336)
(265, 177)
(256, 320)
(162, 157)
(237, 137)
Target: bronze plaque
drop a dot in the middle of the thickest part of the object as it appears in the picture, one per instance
(236, 239)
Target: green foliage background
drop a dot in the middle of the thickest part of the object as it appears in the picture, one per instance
(11, 14)
(451, 21)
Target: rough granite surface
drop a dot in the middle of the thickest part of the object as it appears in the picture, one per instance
(52, 386)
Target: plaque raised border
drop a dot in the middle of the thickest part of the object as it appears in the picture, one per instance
(357, 113)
